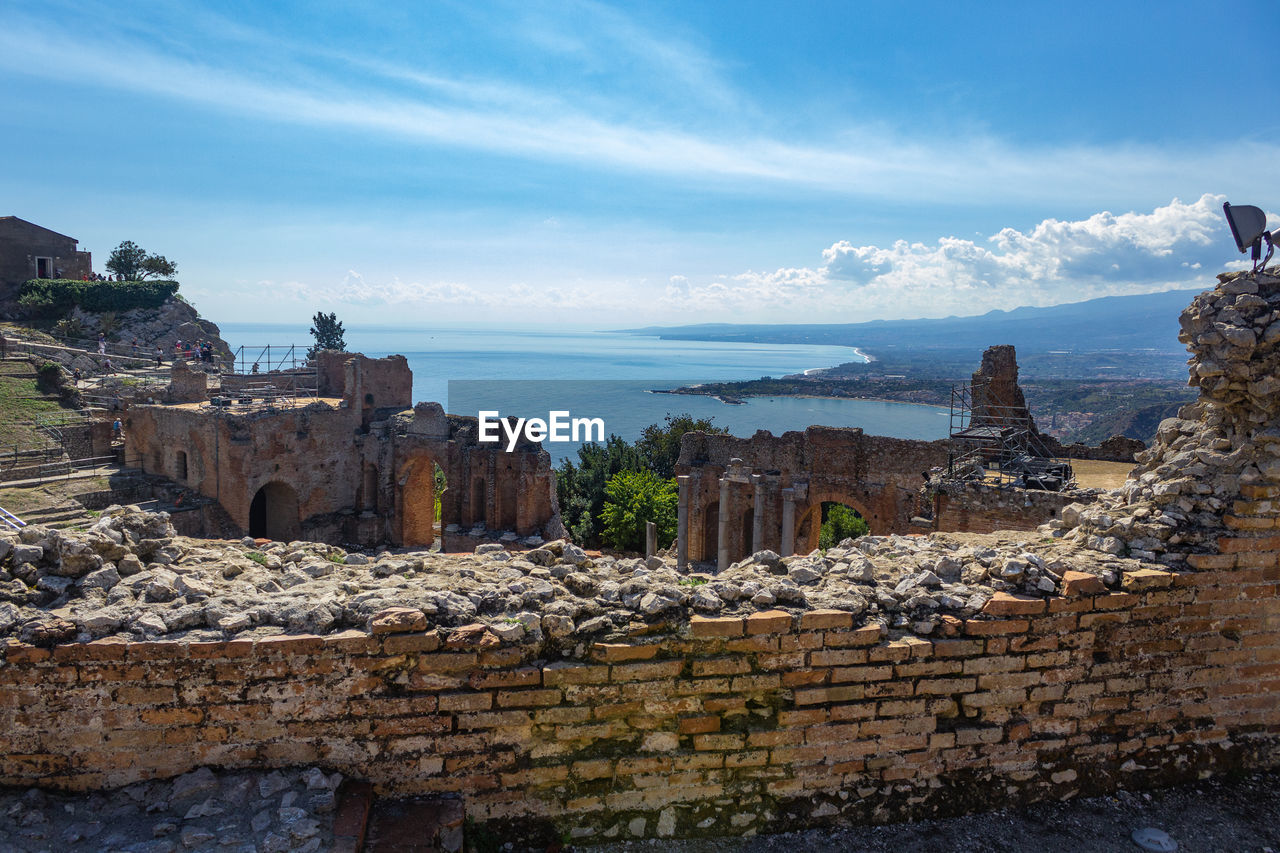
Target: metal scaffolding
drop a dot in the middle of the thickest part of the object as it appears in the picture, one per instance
(994, 442)
(266, 376)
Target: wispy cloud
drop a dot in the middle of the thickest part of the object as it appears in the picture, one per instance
(504, 117)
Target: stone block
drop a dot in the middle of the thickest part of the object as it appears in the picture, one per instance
(1004, 604)
(1081, 583)
(1140, 580)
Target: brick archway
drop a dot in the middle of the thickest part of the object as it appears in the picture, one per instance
(809, 522)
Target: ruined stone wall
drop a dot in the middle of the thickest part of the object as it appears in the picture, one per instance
(729, 726)
(357, 472)
(230, 456)
(978, 508)
(876, 475)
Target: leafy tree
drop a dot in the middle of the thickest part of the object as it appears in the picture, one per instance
(135, 264)
(839, 523)
(580, 489)
(659, 446)
(633, 498)
(327, 330)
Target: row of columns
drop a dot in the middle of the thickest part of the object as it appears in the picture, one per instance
(738, 473)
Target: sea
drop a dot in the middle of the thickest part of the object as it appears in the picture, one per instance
(604, 374)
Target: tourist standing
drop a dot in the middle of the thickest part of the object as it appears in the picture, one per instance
(102, 344)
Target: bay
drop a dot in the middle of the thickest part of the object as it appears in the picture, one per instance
(607, 375)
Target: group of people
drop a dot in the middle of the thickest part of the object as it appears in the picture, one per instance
(97, 276)
(192, 350)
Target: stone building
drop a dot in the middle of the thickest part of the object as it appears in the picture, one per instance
(30, 251)
(358, 464)
(741, 495)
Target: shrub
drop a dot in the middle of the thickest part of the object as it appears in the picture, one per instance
(53, 296)
(631, 499)
(49, 378)
(840, 523)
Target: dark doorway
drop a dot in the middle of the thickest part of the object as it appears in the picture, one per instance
(273, 513)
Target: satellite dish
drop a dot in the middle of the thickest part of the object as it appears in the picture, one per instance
(1249, 228)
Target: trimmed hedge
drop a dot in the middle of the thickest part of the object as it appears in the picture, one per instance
(55, 296)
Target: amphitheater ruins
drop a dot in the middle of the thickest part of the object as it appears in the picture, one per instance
(1130, 641)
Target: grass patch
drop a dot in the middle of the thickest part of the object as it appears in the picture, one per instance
(257, 556)
(336, 558)
(21, 400)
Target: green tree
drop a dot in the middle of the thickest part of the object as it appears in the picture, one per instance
(839, 523)
(327, 330)
(580, 489)
(633, 498)
(136, 264)
(659, 446)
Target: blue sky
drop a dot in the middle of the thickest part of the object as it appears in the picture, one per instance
(600, 165)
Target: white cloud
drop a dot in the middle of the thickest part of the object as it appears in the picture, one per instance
(1053, 262)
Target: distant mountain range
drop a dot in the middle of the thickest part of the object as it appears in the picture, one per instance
(1145, 323)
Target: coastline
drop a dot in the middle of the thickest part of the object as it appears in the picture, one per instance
(744, 397)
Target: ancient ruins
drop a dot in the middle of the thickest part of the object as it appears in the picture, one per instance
(356, 464)
(1131, 641)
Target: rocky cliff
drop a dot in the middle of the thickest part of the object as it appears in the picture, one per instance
(175, 320)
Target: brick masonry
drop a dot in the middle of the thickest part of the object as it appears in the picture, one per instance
(720, 726)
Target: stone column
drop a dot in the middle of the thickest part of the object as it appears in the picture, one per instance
(682, 525)
(722, 541)
(757, 516)
(788, 521)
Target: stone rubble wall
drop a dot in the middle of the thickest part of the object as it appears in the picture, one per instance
(1206, 494)
(981, 508)
(728, 725)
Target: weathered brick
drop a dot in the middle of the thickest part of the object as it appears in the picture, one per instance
(717, 626)
(718, 741)
(988, 628)
(563, 672)
(1140, 580)
(720, 666)
(395, 620)
(817, 620)
(699, 725)
(1004, 604)
(1081, 583)
(769, 622)
(868, 635)
(398, 644)
(615, 652)
(646, 671)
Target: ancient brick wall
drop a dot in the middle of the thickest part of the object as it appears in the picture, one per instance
(727, 725)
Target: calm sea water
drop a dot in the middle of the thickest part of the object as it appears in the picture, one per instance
(610, 376)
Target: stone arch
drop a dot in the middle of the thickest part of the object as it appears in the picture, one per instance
(273, 512)
(416, 503)
(809, 522)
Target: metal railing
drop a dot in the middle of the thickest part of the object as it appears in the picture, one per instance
(10, 520)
